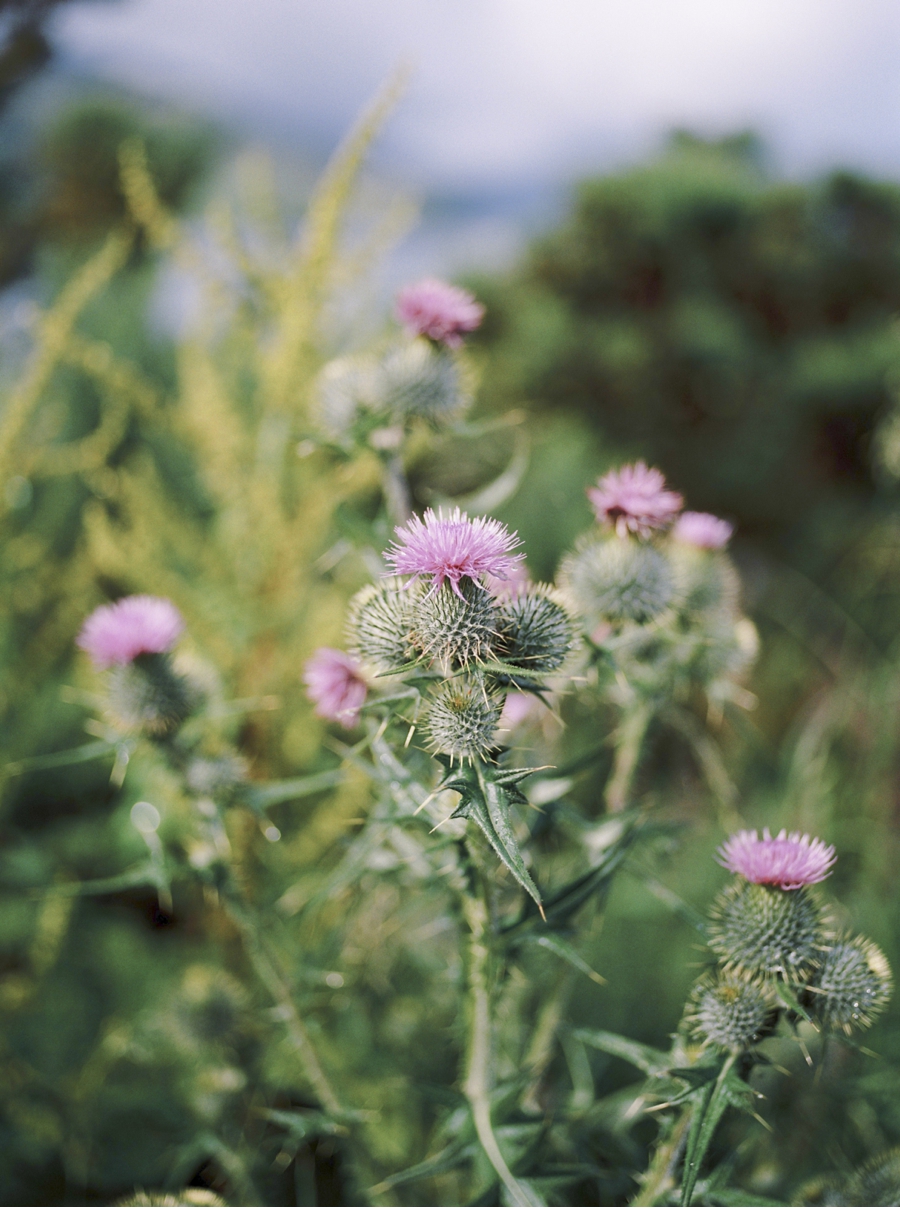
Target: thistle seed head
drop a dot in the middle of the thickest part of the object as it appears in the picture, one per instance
(461, 719)
(457, 629)
(380, 622)
(875, 1183)
(617, 580)
(731, 1011)
(149, 696)
(852, 985)
(536, 630)
(760, 929)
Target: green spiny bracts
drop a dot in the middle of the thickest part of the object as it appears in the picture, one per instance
(704, 579)
(457, 629)
(852, 985)
(758, 929)
(421, 380)
(876, 1183)
(148, 695)
(720, 645)
(461, 719)
(380, 621)
(731, 1011)
(536, 630)
(617, 580)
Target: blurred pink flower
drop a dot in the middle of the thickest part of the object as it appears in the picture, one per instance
(516, 581)
(788, 861)
(452, 547)
(336, 685)
(134, 625)
(634, 499)
(703, 529)
(518, 708)
(439, 311)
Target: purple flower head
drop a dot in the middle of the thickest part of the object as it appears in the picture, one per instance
(134, 625)
(702, 529)
(517, 581)
(336, 685)
(451, 547)
(439, 311)
(634, 499)
(787, 861)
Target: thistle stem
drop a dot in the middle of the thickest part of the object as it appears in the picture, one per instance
(396, 488)
(477, 1086)
(267, 968)
(659, 1178)
(629, 741)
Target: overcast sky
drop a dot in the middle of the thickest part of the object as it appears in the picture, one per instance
(518, 94)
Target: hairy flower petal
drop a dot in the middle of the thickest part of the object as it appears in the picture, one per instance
(135, 625)
(439, 311)
(451, 547)
(702, 529)
(335, 683)
(634, 499)
(787, 861)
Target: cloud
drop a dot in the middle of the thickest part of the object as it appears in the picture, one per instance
(510, 91)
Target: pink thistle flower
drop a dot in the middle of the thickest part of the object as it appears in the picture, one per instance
(702, 529)
(451, 547)
(336, 685)
(439, 311)
(788, 861)
(634, 499)
(516, 582)
(132, 626)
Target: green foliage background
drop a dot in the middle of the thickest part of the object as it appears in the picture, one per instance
(737, 332)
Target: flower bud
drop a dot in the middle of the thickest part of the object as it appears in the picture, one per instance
(461, 719)
(761, 929)
(875, 1183)
(344, 388)
(731, 1011)
(536, 631)
(148, 695)
(617, 580)
(380, 621)
(852, 985)
(456, 628)
(421, 379)
(705, 579)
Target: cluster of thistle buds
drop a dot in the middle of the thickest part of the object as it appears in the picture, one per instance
(150, 694)
(654, 587)
(371, 397)
(777, 951)
(457, 615)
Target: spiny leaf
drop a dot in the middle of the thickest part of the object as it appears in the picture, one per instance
(711, 1100)
(562, 948)
(258, 797)
(651, 1061)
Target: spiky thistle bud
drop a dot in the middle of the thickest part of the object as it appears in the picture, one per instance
(149, 695)
(461, 719)
(456, 628)
(536, 630)
(344, 388)
(761, 929)
(704, 579)
(617, 580)
(875, 1183)
(852, 985)
(425, 380)
(731, 1011)
(380, 620)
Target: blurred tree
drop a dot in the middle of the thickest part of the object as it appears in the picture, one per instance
(736, 331)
